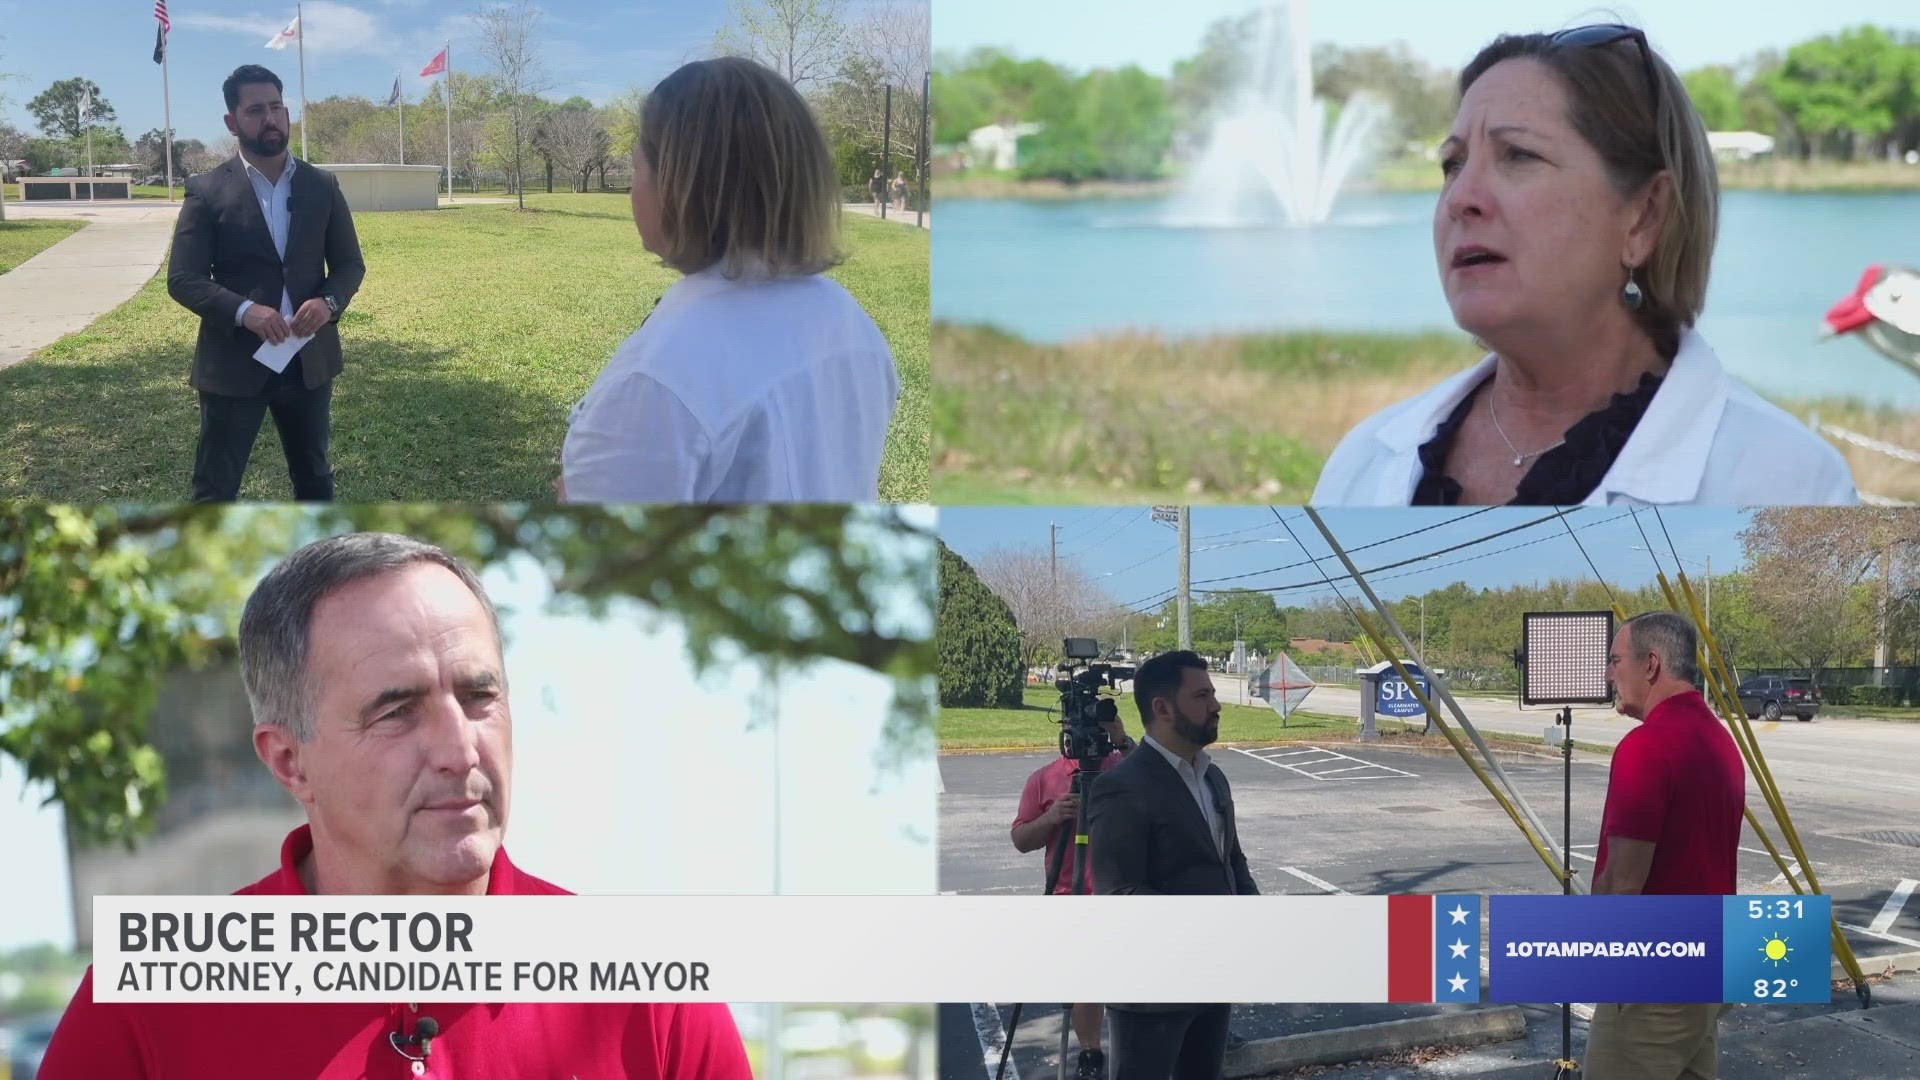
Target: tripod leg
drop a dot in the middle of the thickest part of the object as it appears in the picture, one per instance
(1066, 1026)
(1006, 1048)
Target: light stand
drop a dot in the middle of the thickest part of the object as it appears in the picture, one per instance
(1563, 661)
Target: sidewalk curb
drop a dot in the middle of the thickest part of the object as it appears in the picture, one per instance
(1338, 1045)
(1875, 965)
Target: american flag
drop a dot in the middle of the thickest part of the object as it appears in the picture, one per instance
(160, 12)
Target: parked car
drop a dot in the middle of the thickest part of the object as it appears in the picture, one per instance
(1771, 696)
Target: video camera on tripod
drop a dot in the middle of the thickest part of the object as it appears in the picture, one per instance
(1084, 714)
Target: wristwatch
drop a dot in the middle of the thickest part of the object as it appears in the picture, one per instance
(332, 305)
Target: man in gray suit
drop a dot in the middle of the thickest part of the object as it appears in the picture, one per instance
(1161, 821)
(264, 249)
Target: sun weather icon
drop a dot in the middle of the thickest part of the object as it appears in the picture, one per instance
(1775, 949)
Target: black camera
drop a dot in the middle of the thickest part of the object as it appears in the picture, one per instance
(1083, 712)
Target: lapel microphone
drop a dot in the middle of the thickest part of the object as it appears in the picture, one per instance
(425, 1030)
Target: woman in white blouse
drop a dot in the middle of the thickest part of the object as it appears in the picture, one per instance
(756, 378)
(1573, 233)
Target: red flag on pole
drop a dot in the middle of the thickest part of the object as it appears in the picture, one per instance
(436, 65)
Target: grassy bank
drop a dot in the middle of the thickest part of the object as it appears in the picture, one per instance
(22, 240)
(477, 330)
(1220, 419)
(1137, 416)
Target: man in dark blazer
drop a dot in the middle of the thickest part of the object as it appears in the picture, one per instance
(264, 249)
(1161, 821)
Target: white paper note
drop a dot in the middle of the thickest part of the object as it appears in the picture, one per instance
(279, 356)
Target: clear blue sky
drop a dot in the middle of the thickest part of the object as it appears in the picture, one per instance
(598, 766)
(1137, 559)
(1154, 33)
(596, 50)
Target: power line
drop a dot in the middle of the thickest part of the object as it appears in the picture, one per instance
(1362, 547)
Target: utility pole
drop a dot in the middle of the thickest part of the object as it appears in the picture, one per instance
(1053, 552)
(1186, 575)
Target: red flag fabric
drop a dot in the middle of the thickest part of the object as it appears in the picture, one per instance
(436, 65)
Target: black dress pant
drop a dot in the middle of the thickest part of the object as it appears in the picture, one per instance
(1187, 1045)
(229, 425)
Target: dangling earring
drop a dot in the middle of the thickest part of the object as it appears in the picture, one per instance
(1632, 295)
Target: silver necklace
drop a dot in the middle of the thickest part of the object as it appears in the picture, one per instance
(1519, 458)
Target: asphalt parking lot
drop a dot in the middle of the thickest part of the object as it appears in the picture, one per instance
(1343, 818)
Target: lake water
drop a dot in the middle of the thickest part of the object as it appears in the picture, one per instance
(1056, 270)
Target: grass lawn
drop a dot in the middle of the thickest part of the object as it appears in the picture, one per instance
(1231, 418)
(1034, 726)
(1893, 713)
(22, 240)
(477, 330)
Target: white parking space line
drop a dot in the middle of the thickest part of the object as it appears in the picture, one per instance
(1377, 771)
(986, 1023)
(1890, 911)
(1895, 938)
(1323, 886)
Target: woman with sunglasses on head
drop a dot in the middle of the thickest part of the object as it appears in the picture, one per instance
(1574, 232)
(756, 378)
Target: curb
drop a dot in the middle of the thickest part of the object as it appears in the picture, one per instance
(1338, 1045)
(1875, 965)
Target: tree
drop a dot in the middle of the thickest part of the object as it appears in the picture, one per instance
(888, 47)
(475, 99)
(1842, 89)
(980, 655)
(1050, 600)
(620, 118)
(1420, 100)
(803, 40)
(13, 144)
(1805, 570)
(57, 109)
(151, 151)
(99, 605)
(1716, 96)
(571, 138)
(507, 32)
(990, 86)
(1253, 616)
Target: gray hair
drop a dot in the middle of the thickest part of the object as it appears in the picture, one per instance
(275, 626)
(1670, 636)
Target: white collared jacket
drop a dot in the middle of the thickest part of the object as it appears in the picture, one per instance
(1705, 440)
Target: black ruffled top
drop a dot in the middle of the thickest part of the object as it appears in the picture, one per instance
(1564, 475)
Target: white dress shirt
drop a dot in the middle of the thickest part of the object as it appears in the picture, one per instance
(750, 390)
(273, 205)
(1194, 775)
(1705, 439)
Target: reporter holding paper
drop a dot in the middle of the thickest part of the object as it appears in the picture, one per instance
(756, 378)
(374, 670)
(263, 251)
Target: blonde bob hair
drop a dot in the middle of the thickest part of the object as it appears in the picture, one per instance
(742, 172)
(1611, 103)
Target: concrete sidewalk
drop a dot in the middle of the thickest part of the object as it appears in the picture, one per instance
(69, 285)
(894, 213)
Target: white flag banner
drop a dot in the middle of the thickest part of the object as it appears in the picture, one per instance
(1282, 685)
(286, 37)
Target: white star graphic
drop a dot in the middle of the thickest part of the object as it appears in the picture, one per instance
(1459, 949)
(1458, 984)
(1459, 915)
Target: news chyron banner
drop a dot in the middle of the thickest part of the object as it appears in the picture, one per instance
(825, 949)
(790, 949)
(1659, 948)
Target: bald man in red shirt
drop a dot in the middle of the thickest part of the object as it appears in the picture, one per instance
(1675, 796)
(373, 665)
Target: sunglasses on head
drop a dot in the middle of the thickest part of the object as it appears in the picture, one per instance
(1601, 35)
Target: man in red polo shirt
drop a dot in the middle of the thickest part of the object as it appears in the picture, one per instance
(1044, 821)
(374, 669)
(1675, 794)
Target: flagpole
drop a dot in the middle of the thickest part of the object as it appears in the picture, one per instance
(447, 84)
(87, 119)
(301, 25)
(166, 100)
(401, 104)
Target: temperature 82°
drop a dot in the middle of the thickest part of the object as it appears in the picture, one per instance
(1773, 988)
